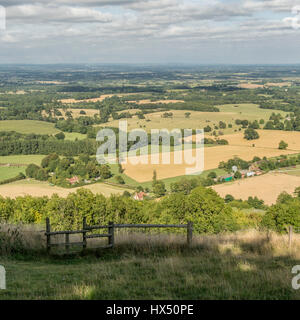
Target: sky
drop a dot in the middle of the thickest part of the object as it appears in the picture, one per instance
(150, 31)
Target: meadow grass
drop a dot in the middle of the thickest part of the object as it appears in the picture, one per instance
(28, 126)
(10, 172)
(245, 265)
(74, 135)
(22, 159)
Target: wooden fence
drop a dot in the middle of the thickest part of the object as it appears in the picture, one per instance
(292, 230)
(110, 235)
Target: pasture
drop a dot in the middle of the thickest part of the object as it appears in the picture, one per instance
(10, 172)
(28, 126)
(22, 159)
(40, 189)
(266, 187)
(198, 120)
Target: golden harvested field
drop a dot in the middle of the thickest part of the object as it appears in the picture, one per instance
(278, 84)
(250, 86)
(268, 139)
(101, 98)
(269, 84)
(148, 101)
(212, 157)
(76, 112)
(40, 189)
(198, 120)
(266, 187)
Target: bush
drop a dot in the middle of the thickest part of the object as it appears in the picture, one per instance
(251, 134)
(279, 216)
(32, 170)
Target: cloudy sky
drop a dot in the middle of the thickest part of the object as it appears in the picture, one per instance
(150, 31)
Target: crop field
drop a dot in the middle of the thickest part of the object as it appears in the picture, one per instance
(101, 98)
(198, 120)
(273, 184)
(40, 189)
(267, 139)
(76, 112)
(212, 157)
(148, 101)
(28, 126)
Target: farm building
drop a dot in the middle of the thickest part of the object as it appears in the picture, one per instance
(247, 173)
(227, 178)
(73, 180)
(139, 196)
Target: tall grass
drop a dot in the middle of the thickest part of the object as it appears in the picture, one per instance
(20, 239)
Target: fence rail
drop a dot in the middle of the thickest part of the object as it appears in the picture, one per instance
(110, 235)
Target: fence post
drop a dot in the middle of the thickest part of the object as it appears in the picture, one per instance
(111, 232)
(84, 233)
(290, 236)
(67, 246)
(189, 233)
(48, 230)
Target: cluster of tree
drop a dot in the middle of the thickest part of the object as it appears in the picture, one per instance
(57, 170)
(252, 202)
(279, 162)
(251, 134)
(49, 145)
(167, 115)
(284, 213)
(158, 187)
(208, 211)
(237, 162)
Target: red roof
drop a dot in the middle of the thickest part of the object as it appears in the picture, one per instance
(73, 180)
(140, 195)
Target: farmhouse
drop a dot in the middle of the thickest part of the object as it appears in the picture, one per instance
(247, 173)
(73, 180)
(139, 196)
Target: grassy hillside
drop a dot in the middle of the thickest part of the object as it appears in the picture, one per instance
(28, 126)
(240, 266)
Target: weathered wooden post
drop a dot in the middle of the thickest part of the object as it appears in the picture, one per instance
(84, 233)
(67, 242)
(48, 230)
(290, 236)
(111, 232)
(189, 233)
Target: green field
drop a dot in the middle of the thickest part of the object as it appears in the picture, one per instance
(216, 267)
(10, 172)
(74, 135)
(22, 159)
(28, 126)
